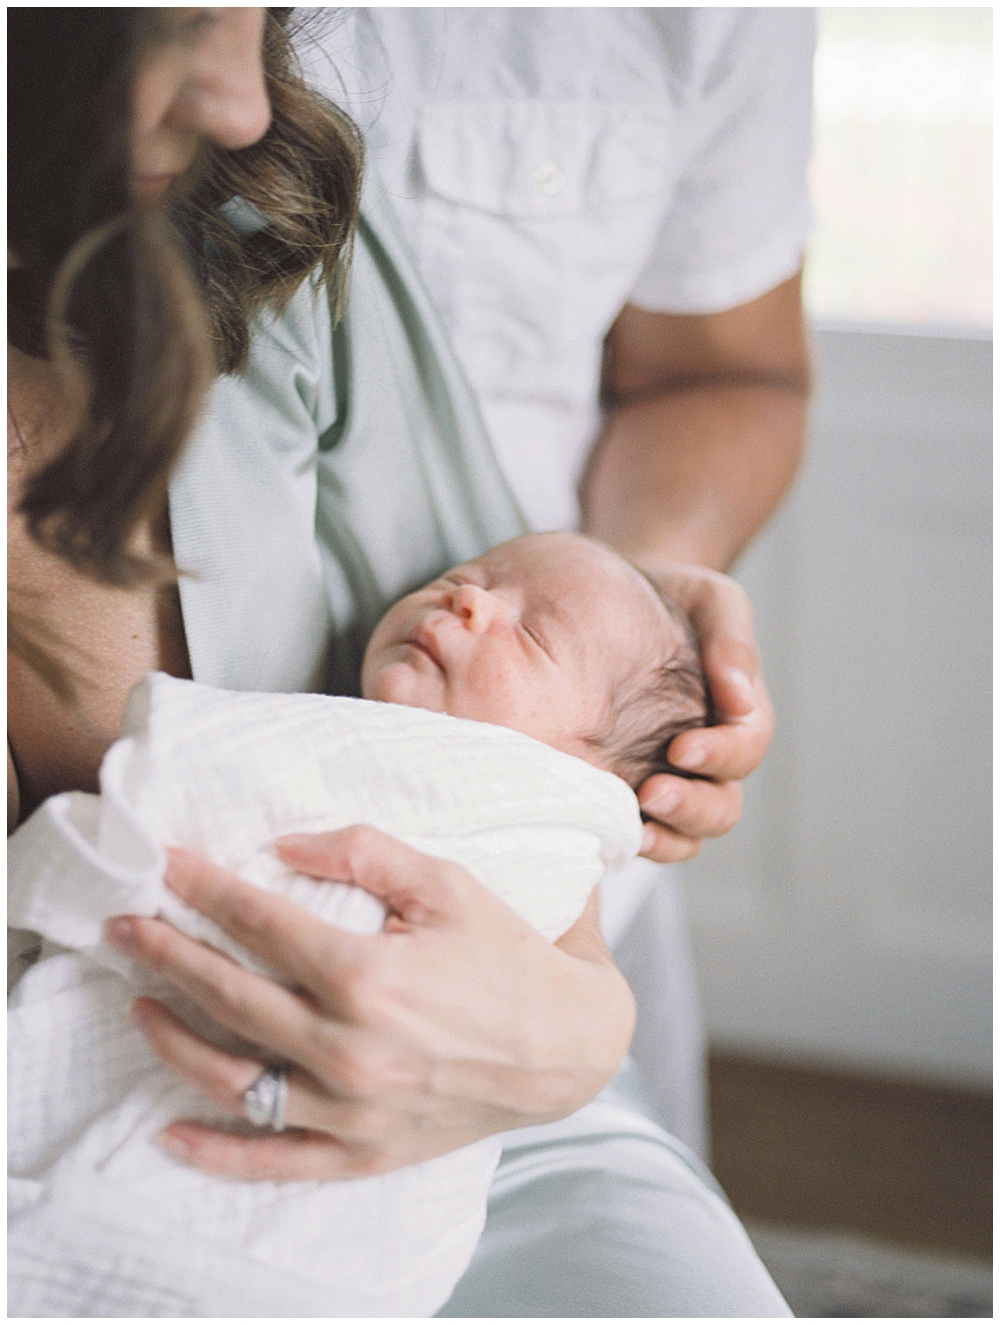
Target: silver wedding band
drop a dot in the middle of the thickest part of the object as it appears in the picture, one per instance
(264, 1103)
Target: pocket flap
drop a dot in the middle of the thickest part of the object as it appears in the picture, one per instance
(541, 158)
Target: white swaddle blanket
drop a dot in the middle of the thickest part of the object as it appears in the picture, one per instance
(104, 1221)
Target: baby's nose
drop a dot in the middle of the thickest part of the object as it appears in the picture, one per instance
(473, 606)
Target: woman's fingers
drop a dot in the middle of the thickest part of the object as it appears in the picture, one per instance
(285, 1157)
(342, 1138)
(236, 998)
(330, 1049)
(223, 1077)
(302, 1156)
(417, 889)
(395, 1065)
(282, 934)
(584, 938)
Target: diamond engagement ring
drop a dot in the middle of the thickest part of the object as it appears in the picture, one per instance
(264, 1103)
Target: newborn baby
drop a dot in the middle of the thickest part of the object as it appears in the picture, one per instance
(517, 685)
(553, 635)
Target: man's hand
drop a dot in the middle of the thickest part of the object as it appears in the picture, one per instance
(688, 810)
(703, 435)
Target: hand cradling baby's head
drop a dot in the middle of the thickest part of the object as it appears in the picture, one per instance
(553, 635)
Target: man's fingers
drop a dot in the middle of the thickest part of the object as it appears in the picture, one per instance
(722, 618)
(734, 678)
(727, 752)
(739, 695)
(667, 847)
(716, 603)
(729, 655)
(691, 808)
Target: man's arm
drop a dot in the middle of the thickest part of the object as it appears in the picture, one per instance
(704, 433)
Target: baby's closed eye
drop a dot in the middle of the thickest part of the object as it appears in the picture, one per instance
(533, 633)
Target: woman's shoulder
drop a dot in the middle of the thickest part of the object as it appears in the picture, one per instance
(289, 370)
(300, 332)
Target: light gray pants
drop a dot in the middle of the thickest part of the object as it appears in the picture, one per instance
(606, 1214)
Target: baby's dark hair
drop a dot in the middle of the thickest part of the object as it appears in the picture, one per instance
(652, 707)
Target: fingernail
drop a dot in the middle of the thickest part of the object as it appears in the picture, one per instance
(174, 1145)
(664, 803)
(176, 876)
(741, 682)
(120, 933)
(293, 840)
(692, 758)
(648, 839)
(137, 1014)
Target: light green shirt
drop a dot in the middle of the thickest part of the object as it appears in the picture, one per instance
(347, 465)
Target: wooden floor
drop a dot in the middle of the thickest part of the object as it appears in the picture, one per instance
(905, 1163)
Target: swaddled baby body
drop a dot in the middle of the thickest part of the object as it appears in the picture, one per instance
(553, 648)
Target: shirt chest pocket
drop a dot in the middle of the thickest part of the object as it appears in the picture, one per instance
(536, 218)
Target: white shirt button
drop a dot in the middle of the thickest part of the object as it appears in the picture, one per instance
(548, 177)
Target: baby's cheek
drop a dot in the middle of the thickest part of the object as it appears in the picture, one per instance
(524, 709)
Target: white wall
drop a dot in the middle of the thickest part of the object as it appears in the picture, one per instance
(847, 918)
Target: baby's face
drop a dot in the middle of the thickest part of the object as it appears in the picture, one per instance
(534, 635)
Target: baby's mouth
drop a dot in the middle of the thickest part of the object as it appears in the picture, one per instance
(424, 643)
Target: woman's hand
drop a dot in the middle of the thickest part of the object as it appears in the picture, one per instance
(457, 1021)
(687, 810)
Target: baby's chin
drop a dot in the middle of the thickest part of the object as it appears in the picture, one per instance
(399, 683)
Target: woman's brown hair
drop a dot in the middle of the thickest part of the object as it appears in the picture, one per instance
(138, 308)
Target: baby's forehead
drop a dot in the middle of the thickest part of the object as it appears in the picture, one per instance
(576, 575)
(645, 627)
(576, 561)
(626, 612)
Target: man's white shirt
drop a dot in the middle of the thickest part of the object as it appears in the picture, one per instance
(551, 165)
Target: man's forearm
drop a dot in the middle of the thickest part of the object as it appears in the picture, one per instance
(692, 473)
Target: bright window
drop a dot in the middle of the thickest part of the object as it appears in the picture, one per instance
(902, 171)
